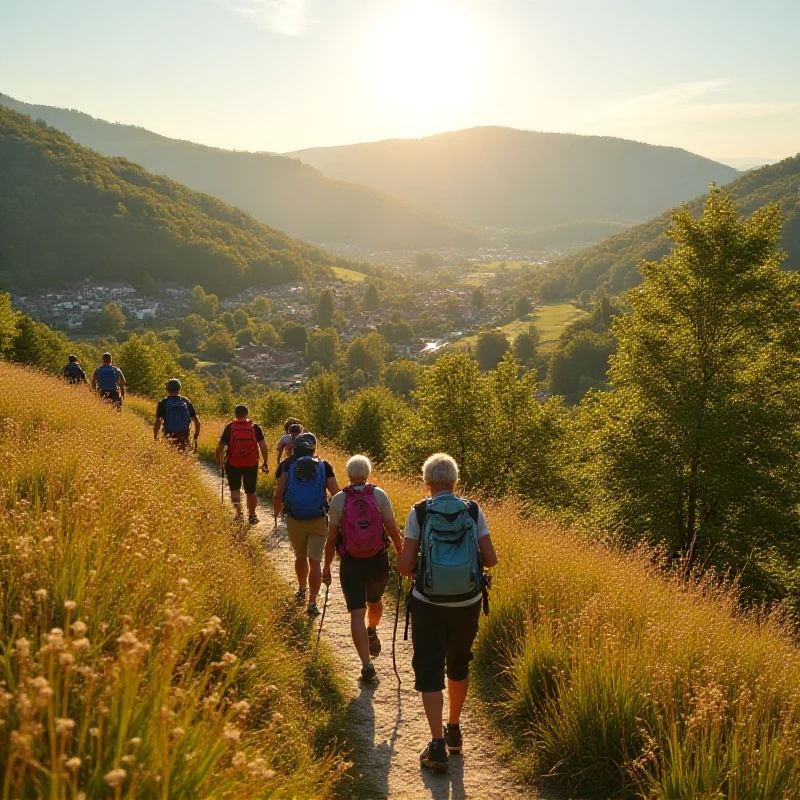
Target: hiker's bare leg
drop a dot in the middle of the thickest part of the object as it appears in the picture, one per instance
(314, 579)
(434, 707)
(301, 570)
(236, 499)
(374, 613)
(456, 696)
(252, 503)
(358, 630)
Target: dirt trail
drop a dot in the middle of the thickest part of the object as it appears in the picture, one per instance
(386, 723)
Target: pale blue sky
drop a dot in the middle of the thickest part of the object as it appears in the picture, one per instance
(718, 77)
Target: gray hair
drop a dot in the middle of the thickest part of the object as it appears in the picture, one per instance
(358, 468)
(439, 469)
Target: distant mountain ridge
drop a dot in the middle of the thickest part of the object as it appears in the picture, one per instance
(67, 213)
(279, 191)
(613, 262)
(509, 178)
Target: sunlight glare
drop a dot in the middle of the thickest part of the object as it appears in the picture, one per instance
(427, 56)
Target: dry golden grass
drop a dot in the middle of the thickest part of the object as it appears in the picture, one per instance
(144, 653)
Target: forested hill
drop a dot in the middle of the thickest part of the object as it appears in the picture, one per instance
(67, 212)
(613, 262)
(277, 190)
(502, 177)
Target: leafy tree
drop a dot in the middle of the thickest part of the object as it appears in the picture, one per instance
(490, 349)
(358, 380)
(698, 447)
(525, 349)
(244, 337)
(112, 320)
(368, 354)
(523, 307)
(191, 330)
(372, 301)
(322, 405)
(399, 331)
(294, 335)
(401, 377)
(275, 407)
(37, 345)
(262, 306)
(325, 308)
(206, 305)
(267, 335)
(240, 318)
(219, 346)
(585, 356)
(143, 371)
(187, 361)
(238, 378)
(323, 347)
(478, 299)
(226, 319)
(8, 324)
(368, 420)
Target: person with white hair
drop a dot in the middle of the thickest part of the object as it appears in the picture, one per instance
(361, 519)
(451, 537)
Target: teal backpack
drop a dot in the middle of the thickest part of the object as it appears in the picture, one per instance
(449, 568)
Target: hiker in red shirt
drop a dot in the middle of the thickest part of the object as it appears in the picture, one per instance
(360, 519)
(243, 439)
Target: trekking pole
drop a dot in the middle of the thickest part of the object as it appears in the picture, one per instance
(322, 618)
(394, 633)
(222, 484)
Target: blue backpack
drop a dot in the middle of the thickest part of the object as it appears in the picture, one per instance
(177, 418)
(305, 488)
(107, 378)
(449, 568)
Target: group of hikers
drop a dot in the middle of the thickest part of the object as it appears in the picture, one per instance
(445, 548)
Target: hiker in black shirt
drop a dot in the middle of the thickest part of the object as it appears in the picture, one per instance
(176, 413)
(73, 372)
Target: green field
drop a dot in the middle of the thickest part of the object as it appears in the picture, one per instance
(550, 320)
(349, 275)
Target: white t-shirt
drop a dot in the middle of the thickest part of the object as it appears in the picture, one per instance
(412, 533)
(286, 443)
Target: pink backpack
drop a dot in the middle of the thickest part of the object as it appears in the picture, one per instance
(362, 524)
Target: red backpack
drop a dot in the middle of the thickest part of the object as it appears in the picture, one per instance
(362, 524)
(242, 445)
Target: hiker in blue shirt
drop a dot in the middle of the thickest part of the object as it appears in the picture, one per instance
(109, 381)
(177, 415)
(72, 371)
(452, 538)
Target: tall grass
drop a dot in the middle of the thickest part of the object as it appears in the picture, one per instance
(142, 652)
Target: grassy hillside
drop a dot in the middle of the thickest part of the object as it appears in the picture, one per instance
(613, 262)
(277, 190)
(69, 213)
(144, 652)
(501, 177)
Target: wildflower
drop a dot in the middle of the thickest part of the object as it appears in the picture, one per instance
(135, 742)
(74, 764)
(70, 605)
(64, 726)
(183, 583)
(178, 733)
(78, 628)
(239, 760)
(277, 716)
(242, 708)
(81, 645)
(128, 760)
(115, 778)
(228, 659)
(66, 659)
(231, 734)
(94, 732)
(23, 648)
(41, 594)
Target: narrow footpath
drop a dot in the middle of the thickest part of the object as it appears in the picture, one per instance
(386, 724)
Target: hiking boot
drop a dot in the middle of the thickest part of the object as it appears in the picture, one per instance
(453, 738)
(374, 642)
(312, 610)
(253, 519)
(368, 673)
(300, 595)
(434, 756)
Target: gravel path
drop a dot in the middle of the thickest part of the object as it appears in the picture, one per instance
(386, 724)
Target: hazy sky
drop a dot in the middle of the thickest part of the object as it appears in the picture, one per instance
(718, 77)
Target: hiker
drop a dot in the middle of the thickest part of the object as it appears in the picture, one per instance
(177, 415)
(291, 430)
(109, 381)
(72, 372)
(448, 583)
(303, 480)
(360, 518)
(243, 439)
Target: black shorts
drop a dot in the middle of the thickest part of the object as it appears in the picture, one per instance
(239, 475)
(113, 395)
(442, 639)
(363, 579)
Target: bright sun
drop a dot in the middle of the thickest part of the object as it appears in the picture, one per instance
(427, 56)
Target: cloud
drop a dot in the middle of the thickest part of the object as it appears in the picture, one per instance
(683, 102)
(287, 17)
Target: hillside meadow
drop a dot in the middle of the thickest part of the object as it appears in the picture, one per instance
(145, 653)
(609, 675)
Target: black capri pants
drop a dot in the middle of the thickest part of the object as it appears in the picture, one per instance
(442, 638)
(363, 579)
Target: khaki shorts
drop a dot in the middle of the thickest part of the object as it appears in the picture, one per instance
(308, 536)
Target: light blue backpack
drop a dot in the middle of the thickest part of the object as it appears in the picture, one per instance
(449, 568)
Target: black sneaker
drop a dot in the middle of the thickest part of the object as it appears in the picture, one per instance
(453, 738)
(374, 642)
(300, 595)
(312, 610)
(368, 673)
(434, 756)
(253, 519)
